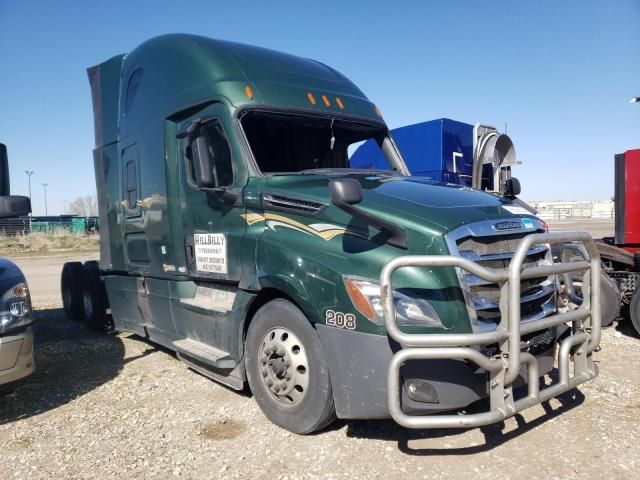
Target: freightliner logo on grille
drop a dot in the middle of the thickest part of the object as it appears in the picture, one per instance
(508, 225)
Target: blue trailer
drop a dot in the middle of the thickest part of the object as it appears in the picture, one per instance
(441, 150)
(449, 151)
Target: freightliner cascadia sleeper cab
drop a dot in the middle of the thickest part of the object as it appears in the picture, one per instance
(234, 232)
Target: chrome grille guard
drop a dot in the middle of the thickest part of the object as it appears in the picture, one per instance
(504, 368)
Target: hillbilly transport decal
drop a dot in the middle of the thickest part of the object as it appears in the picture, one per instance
(210, 252)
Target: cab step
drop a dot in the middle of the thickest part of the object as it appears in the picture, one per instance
(204, 353)
(233, 379)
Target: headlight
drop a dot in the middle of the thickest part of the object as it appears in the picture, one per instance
(15, 308)
(365, 296)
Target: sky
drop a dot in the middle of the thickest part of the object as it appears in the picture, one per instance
(560, 74)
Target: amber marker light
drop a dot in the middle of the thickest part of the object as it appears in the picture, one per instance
(377, 110)
(340, 104)
(544, 225)
(326, 101)
(312, 99)
(248, 92)
(20, 291)
(359, 300)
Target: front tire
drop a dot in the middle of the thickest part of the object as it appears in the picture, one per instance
(8, 388)
(287, 370)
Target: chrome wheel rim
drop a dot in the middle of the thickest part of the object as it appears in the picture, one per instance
(284, 366)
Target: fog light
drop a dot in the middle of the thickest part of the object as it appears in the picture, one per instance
(18, 309)
(421, 391)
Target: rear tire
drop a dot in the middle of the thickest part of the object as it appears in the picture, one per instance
(287, 370)
(634, 311)
(71, 288)
(94, 298)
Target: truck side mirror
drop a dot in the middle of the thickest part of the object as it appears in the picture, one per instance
(201, 156)
(512, 187)
(345, 191)
(14, 206)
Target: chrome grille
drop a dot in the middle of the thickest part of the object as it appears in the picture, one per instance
(490, 245)
(494, 250)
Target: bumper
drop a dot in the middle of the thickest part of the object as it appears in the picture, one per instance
(359, 363)
(506, 366)
(16, 356)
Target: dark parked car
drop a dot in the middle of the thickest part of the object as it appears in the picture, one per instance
(16, 336)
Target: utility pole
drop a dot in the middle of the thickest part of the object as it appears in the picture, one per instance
(29, 173)
(46, 211)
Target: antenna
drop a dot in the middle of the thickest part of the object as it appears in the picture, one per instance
(46, 210)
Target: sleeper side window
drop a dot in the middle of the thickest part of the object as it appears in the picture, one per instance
(132, 185)
(132, 89)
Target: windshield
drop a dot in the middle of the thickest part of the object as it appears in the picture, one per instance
(287, 143)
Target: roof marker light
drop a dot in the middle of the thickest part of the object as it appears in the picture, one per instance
(377, 110)
(312, 99)
(248, 92)
(339, 102)
(326, 101)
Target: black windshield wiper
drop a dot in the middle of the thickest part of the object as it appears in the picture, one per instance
(345, 171)
(341, 171)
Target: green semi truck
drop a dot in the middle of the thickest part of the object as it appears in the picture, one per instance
(234, 232)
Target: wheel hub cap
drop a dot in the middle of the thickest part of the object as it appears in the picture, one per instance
(284, 367)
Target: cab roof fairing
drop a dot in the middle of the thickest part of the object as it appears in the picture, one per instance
(188, 70)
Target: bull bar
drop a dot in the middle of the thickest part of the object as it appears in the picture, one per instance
(504, 368)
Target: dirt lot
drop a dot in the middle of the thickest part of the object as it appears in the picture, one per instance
(101, 406)
(598, 227)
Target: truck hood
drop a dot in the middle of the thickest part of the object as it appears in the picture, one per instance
(407, 201)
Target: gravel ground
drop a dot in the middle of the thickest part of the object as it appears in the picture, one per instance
(102, 406)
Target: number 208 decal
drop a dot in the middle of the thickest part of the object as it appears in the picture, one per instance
(340, 320)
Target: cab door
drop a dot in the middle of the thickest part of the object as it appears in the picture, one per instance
(211, 200)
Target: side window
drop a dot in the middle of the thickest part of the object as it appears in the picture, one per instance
(132, 89)
(218, 152)
(132, 185)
